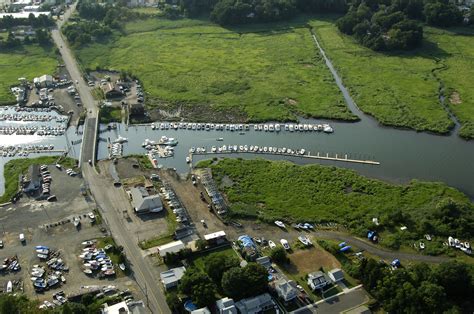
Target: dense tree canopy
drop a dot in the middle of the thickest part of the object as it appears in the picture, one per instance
(249, 281)
(420, 288)
(199, 286)
(216, 265)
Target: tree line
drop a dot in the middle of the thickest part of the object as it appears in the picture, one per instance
(396, 24)
(41, 37)
(235, 12)
(42, 21)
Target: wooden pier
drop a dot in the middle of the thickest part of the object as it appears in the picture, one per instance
(321, 156)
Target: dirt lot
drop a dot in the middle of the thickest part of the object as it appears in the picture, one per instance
(310, 260)
(68, 103)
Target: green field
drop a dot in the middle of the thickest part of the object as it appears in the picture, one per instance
(250, 74)
(401, 89)
(282, 190)
(28, 61)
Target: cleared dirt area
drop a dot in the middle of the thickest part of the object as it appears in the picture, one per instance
(310, 260)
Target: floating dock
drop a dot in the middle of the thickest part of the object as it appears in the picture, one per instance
(321, 156)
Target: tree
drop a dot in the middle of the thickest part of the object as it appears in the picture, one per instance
(442, 14)
(216, 265)
(278, 255)
(456, 279)
(42, 37)
(245, 282)
(173, 302)
(199, 286)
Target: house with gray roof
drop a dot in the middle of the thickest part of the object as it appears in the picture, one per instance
(258, 304)
(226, 306)
(336, 275)
(285, 290)
(143, 202)
(317, 280)
(171, 277)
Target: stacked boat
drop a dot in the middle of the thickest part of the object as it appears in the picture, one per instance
(267, 127)
(463, 246)
(248, 149)
(95, 260)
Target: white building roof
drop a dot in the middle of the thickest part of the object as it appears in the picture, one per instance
(172, 247)
(204, 310)
(214, 235)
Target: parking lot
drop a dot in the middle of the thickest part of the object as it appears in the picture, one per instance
(49, 224)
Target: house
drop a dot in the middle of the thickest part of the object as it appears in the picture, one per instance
(124, 308)
(43, 81)
(32, 182)
(171, 277)
(317, 280)
(264, 261)
(258, 304)
(112, 91)
(336, 275)
(137, 109)
(142, 202)
(215, 238)
(203, 310)
(285, 290)
(172, 247)
(226, 306)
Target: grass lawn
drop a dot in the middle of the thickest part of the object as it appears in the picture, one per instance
(110, 114)
(14, 168)
(282, 190)
(199, 260)
(401, 89)
(28, 61)
(270, 72)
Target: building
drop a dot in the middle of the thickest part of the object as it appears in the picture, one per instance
(124, 308)
(113, 91)
(33, 180)
(137, 109)
(264, 261)
(43, 81)
(258, 304)
(215, 238)
(32, 8)
(336, 275)
(143, 202)
(317, 280)
(171, 277)
(226, 306)
(172, 247)
(285, 290)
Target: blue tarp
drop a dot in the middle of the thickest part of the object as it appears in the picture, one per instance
(346, 248)
(370, 234)
(190, 306)
(246, 241)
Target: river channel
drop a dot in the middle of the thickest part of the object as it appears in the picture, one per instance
(403, 154)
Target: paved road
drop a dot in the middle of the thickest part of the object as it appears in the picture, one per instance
(111, 201)
(336, 304)
(377, 250)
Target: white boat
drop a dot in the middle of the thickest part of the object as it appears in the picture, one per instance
(188, 160)
(303, 239)
(220, 139)
(451, 241)
(467, 245)
(285, 244)
(271, 244)
(76, 221)
(121, 140)
(277, 127)
(280, 224)
(91, 216)
(122, 266)
(428, 237)
(9, 287)
(327, 128)
(422, 246)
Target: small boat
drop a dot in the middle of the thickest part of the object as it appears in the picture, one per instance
(188, 160)
(422, 246)
(122, 266)
(467, 245)
(428, 237)
(120, 140)
(303, 239)
(9, 287)
(42, 251)
(280, 224)
(87, 271)
(220, 139)
(271, 244)
(42, 256)
(327, 128)
(76, 221)
(285, 244)
(91, 216)
(451, 241)
(88, 243)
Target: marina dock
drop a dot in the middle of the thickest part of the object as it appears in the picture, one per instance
(321, 156)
